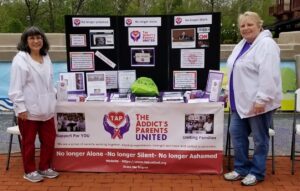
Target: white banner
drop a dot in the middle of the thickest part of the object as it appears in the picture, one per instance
(142, 21)
(152, 131)
(193, 20)
(90, 22)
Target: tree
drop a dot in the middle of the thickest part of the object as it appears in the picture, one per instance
(49, 14)
(103, 7)
(76, 6)
(212, 4)
(14, 25)
(120, 6)
(32, 8)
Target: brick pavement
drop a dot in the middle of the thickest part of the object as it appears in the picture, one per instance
(12, 180)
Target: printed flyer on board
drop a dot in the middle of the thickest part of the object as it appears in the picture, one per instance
(145, 137)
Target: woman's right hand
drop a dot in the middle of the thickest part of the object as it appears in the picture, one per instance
(225, 96)
(258, 108)
(23, 115)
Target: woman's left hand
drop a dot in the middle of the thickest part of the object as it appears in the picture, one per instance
(258, 108)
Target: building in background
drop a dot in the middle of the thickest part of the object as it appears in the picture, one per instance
(287, 13)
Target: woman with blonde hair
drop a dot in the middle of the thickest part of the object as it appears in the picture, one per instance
(254, 93)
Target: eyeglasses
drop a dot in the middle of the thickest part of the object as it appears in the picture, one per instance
(37, 37)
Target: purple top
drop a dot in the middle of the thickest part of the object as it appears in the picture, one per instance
(231, 90)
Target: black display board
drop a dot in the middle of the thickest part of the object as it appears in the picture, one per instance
(90, 33)
(180, 43)
(204, 38)
(157, 70)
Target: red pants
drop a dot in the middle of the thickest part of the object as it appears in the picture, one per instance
(46, 131)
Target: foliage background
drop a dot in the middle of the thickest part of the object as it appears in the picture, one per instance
(16, 15)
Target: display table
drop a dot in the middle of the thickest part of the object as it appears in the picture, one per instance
(139, 137)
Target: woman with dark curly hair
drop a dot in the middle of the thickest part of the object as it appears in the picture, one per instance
(33, 95)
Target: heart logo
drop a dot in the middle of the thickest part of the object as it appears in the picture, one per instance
(192, 58)
(116, 117)
(135, 35)
(77, 22)
(178, 20)
(128, 21)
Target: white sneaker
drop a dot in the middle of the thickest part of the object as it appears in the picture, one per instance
(249, 180)
(49, 173)
(33, 177)
(232, 176)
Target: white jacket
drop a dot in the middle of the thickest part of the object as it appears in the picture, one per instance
(31, 87)
(256, 76)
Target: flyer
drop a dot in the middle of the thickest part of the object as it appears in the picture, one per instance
(125, 80)
(183, 38)
(82, 61)
(184, 79)
(143, 57)
(96, 85)
(192, 58)
(102, 39)
(142, 36)
(77, 40)
(213, 75)
(74, 81)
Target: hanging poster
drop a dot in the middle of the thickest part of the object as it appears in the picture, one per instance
(183, 38)
(82, 61)
(77, 40)
(101, 39)
(184, 79)
(142, 36)
(203, 40)
(144, 57)
(192, 58)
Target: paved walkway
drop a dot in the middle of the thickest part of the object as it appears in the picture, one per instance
(12, 180)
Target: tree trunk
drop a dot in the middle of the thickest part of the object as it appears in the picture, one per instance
(51, 16)
(32, 9)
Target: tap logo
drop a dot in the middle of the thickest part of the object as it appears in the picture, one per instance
(116, 124)
(135, 35)
(192, 58)
(178, 20)
(77, 22)
(128, 22)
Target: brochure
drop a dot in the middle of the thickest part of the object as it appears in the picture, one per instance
(120, 97)
(215, 91)
(146, 99)
(96, 84)
(213, 75)
(96, 98)
(172, 97)
(75, 82)
(125, 80)
(62, 94)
